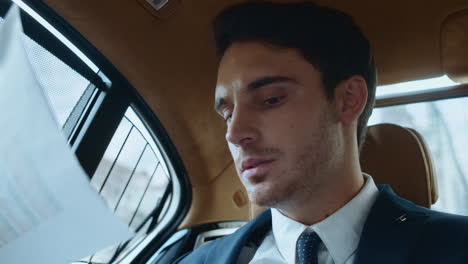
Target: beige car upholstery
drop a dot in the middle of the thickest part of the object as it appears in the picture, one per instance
(454, 40)
(397, 156)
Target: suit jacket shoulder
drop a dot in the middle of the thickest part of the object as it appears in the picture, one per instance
(398, 231)
(444, 239)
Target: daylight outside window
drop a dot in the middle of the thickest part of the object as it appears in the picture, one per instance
(136, 183)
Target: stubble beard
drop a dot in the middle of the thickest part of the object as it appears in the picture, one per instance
(308, 173)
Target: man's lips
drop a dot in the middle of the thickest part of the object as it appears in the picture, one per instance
(252, 168)
(252, 163)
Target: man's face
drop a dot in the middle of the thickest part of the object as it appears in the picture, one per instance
(280, 126)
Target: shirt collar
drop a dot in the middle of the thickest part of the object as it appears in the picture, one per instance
(340, 232)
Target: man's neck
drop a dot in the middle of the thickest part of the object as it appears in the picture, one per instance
(314, 207)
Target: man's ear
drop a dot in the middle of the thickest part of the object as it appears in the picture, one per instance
(350, 98)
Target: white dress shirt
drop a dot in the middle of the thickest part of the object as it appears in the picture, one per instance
(340, 232)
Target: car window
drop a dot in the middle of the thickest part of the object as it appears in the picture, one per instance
(134, 180)
(117, 139)
(62, 85)
(66, 90)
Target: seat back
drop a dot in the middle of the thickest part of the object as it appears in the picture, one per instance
(399, 156)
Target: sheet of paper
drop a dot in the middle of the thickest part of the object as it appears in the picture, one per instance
(49, 213)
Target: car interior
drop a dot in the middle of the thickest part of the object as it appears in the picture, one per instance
(134, 92)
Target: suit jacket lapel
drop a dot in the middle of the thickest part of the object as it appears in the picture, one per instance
(391, 230)
(228, 250)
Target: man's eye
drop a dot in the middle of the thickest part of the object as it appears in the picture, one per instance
(274, 100)
(227, 118)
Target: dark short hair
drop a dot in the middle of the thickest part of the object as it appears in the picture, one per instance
(327, 38)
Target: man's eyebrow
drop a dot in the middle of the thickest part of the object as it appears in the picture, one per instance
(258, 83)
(267, 81)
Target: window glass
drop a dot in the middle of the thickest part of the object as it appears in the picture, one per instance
(444, 127)
(134, 181)
(62, 85)
(405, 88)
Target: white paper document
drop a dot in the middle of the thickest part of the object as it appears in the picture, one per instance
(49, 213)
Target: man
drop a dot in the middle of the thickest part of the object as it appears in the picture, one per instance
(296, 86)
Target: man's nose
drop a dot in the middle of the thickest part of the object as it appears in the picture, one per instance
(242, 128)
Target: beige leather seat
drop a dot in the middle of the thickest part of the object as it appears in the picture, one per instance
(397, 156)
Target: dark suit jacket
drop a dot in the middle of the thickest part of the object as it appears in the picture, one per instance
(396, 231)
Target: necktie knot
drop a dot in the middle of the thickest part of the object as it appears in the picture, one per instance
(307, 247)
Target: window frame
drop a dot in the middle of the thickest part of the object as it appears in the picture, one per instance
(455, 91)
(97, 124)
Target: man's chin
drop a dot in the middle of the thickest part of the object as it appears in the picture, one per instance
(263, 199)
